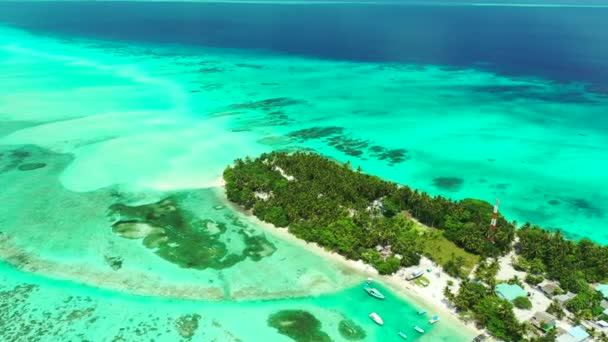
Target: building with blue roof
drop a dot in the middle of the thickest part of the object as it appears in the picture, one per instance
(603, 289)
(576, 334)
(510, 291)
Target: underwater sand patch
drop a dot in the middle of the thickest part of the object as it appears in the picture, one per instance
(134, 229)
(131, 282)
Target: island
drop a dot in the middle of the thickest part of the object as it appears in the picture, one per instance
(392, 226)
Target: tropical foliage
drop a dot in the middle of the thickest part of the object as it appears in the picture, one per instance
(573, 264)
(358, 215)
(489, 310)
(364, 217)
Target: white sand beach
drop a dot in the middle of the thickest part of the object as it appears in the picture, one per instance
(429, 298)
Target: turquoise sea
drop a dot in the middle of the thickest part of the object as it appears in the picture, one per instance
(98, 109)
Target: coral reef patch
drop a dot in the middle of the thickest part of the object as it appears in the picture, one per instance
(299, 325)
(351, 331)
(448, 183)
(180, 237)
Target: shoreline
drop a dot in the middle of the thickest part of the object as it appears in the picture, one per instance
(420, 296)
(429, 298)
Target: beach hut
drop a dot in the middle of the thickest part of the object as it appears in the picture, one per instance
(510, 291)
(544, 321)
(576, 334)
(563, 298)
(549, 289)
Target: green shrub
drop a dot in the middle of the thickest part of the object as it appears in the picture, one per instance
(533, 280)
(522, 303)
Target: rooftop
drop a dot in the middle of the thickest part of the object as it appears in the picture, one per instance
(603, 288)
(544, 317)
(564, 297)
(544, 320)
(549, 288)
(576, 334)
(510, 292)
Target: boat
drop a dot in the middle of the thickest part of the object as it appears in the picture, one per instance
(402, 335)
(373, 292)
(420, 312)
(376, 318)
(418, 329)
(414, 275)
(434, 319)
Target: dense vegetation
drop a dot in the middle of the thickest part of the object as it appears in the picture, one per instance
(573, 264)
(353, 213)
(496, 314)
(464, 222)
(364, 217)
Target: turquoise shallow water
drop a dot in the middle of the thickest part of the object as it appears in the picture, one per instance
(538, 145)
(43, 309)
(177, 116)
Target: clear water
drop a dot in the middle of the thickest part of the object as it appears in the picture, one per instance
(45, 309)
(163, 113)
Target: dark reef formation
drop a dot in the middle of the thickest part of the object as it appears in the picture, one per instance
(351, 331)
(178, 236)
(351, 146)
(299, 325)
(448, 183)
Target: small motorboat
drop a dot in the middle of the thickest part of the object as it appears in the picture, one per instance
(420, 312)
(376, 318)
(402, 335)
(434, 319)
(418, 329)
(414, 275)
(373, 292)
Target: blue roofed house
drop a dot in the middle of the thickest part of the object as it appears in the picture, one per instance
(510, 291)
(576, 334)
(603, 289)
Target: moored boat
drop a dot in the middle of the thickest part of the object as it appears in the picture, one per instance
(415, 274)
(374, 292)
(376, 318)
(420, 312)
(418, 329)
(434, 319)
(402, 335)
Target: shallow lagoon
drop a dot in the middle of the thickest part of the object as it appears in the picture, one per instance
(179, 115)
(538, 145)
(43, 309)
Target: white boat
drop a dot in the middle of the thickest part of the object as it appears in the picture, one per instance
(434, 319)
(402, 335)
(374, 316)
(418, 329)
(415, 275)
(373, 292)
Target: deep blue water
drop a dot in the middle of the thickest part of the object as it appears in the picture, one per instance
(563, 44)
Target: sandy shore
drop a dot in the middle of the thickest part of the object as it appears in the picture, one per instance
(429, 298)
